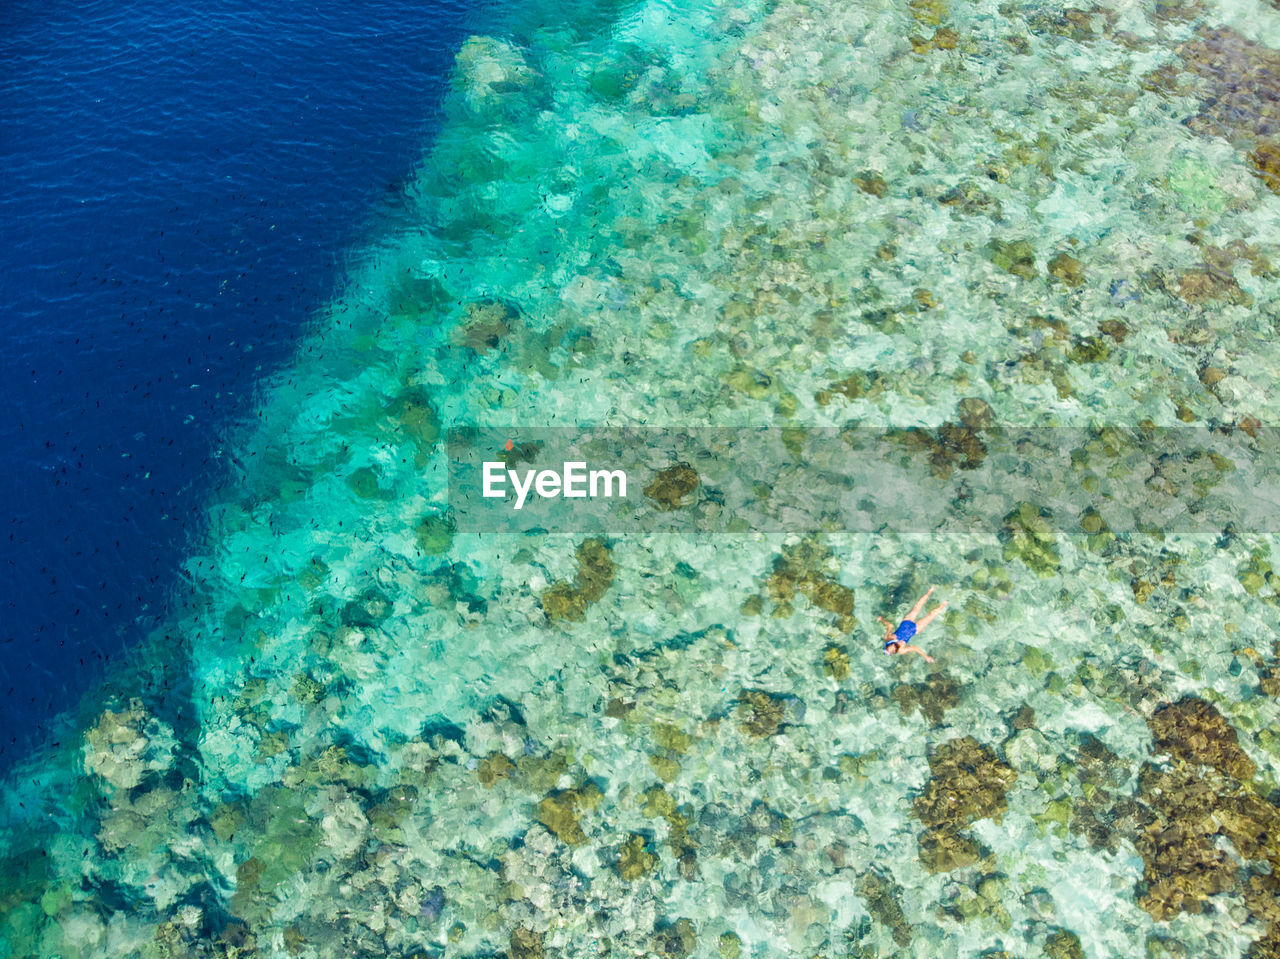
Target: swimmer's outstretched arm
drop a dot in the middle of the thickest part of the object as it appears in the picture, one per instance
(916, 649)
(888, 628)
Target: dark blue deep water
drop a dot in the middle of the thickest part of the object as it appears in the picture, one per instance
(180, 182)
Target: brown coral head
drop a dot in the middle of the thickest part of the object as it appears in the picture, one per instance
(1194, 731)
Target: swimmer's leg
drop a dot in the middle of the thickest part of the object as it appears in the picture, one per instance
(915, 610)
(933, 613)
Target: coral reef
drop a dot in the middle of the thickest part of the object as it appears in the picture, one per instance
(1237, 81)
(883, 898)
(1029, 537)
(488, 322)
(1241, 84)
(634, 858)
(835, 663)
(670, 487)
(1184, 813)
(435, 534)
(933, 697)
(968, 782)
(561, 812)
(568, 602)
(402, 735)
(761, 713)
(950, 447)
(803, 569)
(489, 69)
(1195, 732)
(126, 745)
(1063, 944)
(1014, 256)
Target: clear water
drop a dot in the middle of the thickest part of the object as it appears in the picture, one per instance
(380, 729)
(182, 191)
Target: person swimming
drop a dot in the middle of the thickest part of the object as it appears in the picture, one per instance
(897, 640)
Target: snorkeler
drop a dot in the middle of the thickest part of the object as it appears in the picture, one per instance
(896, 640)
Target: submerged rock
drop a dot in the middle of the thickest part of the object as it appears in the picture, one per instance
(368, 610)
(835, 663)
(1028, 536)
(729, 945)
(1266, 161)
(670, 487)
(635, 859)
(951, 446)
(331, 765)
(561, 812)
(850, 387)
(415, 296)
(658, 803)
(418, 419)
(307, 690)
(800, 569)
(124, 746)
(435, 534)
(1194, 731)
(488, 322)
(761, 713)
(968, 783)
(525, 943)
(967, 196)
(364, 483)
(1256, 574)
(933, 697)
(1016, 256)
(975, 413)
(749, 381)
(1098, 533)
(1024, 718)
(494, 767)
(487, 69)
(621, 71)
(675, 940)
(943, 849)
(1068, 269)
(872, 183)
(282, 839)
(394, 807)
(884, 901)
(568, 602)
(1207, 285)
(1063, 944)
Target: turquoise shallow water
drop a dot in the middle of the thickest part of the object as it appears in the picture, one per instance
(381, 729)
